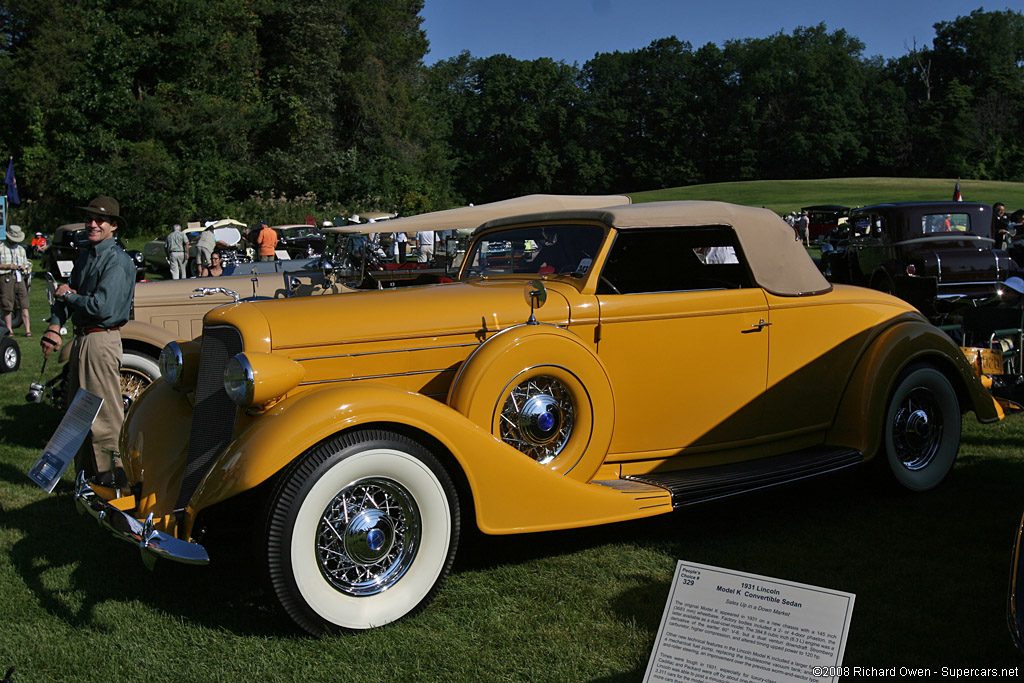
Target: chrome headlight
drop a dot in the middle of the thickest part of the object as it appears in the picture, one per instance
(172, 364)
(239, 380)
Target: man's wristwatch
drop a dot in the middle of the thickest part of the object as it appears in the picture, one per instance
(65, 295)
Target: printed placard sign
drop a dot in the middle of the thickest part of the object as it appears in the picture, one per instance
(725, 625)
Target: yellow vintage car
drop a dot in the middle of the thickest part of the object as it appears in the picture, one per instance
(586, 367)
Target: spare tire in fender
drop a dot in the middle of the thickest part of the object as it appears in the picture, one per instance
(541, 390)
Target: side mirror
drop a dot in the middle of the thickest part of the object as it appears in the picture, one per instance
(536, 294)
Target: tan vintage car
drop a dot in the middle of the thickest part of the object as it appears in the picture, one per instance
(586, 367)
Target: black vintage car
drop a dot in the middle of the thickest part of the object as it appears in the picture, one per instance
(923, 252)
(63, 250)
(300, 241)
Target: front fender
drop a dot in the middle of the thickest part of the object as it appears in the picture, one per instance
(861, 414)
(511, 493)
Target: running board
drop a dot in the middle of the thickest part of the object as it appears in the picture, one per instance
(689, 487)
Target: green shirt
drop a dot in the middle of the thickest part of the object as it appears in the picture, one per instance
(104, 279)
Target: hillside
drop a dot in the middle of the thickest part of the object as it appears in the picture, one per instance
(783, 196)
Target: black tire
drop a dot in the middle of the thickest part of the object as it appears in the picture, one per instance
(921, 437)
(138, 371)
(338, 562)
(10, 355)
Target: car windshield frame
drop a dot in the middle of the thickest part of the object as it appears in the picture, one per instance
(567, 249)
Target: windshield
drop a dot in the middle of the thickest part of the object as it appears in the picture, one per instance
(548, 249)
(345, 252)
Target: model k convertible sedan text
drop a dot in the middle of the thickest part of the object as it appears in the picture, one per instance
(562, 380)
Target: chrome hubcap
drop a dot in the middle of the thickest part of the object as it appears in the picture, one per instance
(368, 536)
(10, 356)
(537, 418)
(917, 430)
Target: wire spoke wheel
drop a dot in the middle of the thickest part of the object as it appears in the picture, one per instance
(361, 531)
(537, 418)
(368, 536)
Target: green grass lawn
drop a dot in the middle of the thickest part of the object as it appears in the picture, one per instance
(929, 571)
(783, 196)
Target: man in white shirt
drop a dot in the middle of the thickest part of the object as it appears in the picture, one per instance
(426, 241)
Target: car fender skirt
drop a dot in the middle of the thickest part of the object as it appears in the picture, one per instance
(860, 417)
(543, 499)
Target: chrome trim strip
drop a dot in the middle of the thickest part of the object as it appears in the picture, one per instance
(356, 379)
(152, 543)
(374, 353)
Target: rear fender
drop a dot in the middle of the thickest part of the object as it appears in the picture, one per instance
(511, 493)
(860, 417)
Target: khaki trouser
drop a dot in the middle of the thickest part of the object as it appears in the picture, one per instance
(176, 262)
(95, 365)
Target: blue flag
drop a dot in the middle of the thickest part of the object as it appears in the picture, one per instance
(12, 184)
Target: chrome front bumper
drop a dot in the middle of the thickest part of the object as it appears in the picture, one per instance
(152, 543)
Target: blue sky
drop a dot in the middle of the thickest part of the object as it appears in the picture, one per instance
(574, 30)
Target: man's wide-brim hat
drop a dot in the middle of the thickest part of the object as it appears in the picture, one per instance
(15, 233)
(104, 206)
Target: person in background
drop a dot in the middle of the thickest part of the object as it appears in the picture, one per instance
(98, 301)
(14, 270)
(204, 249)
(38, 245)
(400, 240)
(803, 225)
(267, 242)
(1001, 226)
(215, 268)
(176, 245)
(426, 246)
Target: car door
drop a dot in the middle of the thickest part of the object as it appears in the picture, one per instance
(684, 340)
(868, 246)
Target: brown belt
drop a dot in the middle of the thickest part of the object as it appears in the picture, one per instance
(80, 331)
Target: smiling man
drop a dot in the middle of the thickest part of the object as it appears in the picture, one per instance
(98, 302)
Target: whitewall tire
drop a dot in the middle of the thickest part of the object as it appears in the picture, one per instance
(922, 428)
(361, 531)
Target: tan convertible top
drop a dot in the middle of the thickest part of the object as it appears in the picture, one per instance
(779, 263)
(468, 217)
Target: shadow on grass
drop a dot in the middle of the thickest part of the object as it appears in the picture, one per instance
(923, 566)
(28, 425)
(57, 542)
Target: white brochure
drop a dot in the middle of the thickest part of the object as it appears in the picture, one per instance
(71, 432)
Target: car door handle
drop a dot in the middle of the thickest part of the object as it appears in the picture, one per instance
(757, 327)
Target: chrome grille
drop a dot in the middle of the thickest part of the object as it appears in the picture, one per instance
(213, 418)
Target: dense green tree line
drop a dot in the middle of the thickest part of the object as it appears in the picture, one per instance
(197, 108)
